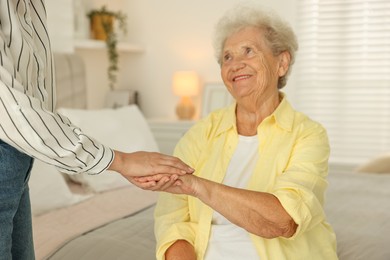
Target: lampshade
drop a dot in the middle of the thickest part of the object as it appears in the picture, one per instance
(185, 83)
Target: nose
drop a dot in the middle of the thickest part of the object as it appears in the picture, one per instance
(237, 64)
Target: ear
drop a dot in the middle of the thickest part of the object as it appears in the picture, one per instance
(284, 63)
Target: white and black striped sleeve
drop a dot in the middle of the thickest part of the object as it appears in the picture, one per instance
(27, 118)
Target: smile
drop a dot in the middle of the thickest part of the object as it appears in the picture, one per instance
(241, 77)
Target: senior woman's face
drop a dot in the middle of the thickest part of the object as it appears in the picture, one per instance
(249, 69)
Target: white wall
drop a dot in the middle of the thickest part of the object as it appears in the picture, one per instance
(60, 25)
(176, 35)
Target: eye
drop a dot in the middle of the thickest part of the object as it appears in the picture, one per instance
(227, 57)
(248, 50)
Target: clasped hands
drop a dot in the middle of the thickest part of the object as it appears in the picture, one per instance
(154, 171)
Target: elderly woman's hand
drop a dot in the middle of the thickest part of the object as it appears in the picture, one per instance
(185, 184)
(158, 182)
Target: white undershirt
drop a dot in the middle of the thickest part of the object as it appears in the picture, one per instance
(228, 241)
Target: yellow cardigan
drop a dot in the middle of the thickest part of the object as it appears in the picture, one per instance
(292, 165)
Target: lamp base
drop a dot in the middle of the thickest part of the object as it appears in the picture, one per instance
(185, 110)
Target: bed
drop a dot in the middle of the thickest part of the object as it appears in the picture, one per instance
(105, 217)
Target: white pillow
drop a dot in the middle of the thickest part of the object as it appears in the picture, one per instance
(379, 164)
(49, 190)
(124, 129)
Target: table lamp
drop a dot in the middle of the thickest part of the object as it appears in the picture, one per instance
(185, 85)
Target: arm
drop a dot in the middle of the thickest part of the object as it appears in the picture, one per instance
(173, 223)
(27, 99)
(179, 250)
(51, 137)
(259, 213)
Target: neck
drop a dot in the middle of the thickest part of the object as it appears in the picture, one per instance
(251, 114)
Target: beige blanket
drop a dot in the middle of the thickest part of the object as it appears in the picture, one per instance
(54, 229)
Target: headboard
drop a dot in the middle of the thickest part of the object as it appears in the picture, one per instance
(72, 89)
(70, 80)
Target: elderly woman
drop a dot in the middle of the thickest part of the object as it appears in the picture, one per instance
(261, 167)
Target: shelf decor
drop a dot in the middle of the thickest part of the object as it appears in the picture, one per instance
(102, 28)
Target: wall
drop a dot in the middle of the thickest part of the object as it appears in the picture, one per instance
(176, 35)
(60, 25)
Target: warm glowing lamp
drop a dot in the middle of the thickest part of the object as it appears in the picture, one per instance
(185, 85)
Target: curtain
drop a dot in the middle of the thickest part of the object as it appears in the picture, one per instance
(343, 74)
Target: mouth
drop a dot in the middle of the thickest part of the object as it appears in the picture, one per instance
(241, 77)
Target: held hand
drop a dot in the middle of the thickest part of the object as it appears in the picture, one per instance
(148, 163)
(157, 182)
(185, 184)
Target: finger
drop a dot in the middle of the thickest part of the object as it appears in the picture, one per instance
(147, 185)
(160, 184)
(165, 169)
(175, 163)
(143, 185)
(155, 177)
(142, 179)
(170, 183)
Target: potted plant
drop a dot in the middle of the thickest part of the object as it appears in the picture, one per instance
(102, 28)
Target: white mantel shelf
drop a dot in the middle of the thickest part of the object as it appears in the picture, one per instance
(97, 45)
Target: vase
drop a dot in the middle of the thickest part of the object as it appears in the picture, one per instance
(101, 26)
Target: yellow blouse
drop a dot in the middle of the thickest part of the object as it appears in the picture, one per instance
(292, 165)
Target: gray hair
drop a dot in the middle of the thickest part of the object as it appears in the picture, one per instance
(278, 34)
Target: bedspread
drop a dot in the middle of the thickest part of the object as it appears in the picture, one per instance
(128, 238)
(54, 229)
(358, 208)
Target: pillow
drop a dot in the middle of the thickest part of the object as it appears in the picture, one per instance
(124, 129)
(379, 164)
(49, 190)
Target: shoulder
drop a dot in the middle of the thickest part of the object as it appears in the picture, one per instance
(290, 119)
(310, 132)
(304, 122)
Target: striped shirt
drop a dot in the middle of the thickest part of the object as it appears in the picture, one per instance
(28, 120)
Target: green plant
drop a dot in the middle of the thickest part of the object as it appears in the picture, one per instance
(110, 36)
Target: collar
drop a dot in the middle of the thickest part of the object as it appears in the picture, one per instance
(228, 120)
(283, 116)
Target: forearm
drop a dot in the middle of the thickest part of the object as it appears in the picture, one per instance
(180, 250)
(27, 125)
(117, 162)
(257, 212)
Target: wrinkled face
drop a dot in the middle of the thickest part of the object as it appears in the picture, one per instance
(248, 68)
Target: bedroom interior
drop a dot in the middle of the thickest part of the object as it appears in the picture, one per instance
(84, 217)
